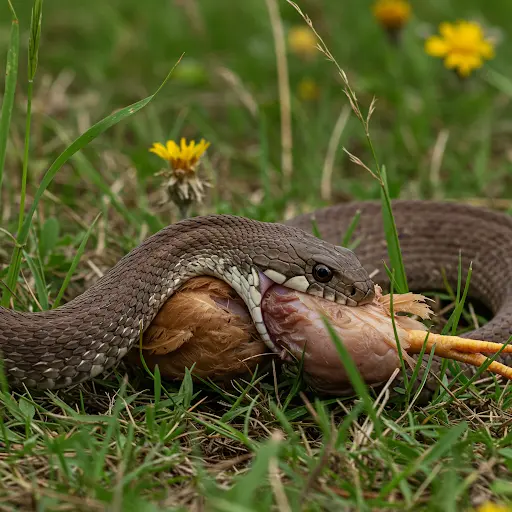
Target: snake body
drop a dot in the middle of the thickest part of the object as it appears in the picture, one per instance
(79, 340)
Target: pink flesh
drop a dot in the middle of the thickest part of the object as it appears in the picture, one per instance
(294, 323)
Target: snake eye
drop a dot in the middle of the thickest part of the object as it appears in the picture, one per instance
(322, 273)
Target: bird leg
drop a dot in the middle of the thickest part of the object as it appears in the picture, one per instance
(460, 349)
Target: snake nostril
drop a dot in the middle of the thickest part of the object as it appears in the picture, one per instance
(353, 291)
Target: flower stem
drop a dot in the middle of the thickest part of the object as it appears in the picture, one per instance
(183, 208)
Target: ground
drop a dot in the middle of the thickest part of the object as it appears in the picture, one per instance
(261, 443)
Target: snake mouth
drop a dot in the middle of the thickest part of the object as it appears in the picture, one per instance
(295, 324)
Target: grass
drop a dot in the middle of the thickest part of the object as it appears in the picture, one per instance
(145, 444)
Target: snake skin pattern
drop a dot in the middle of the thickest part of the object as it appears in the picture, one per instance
(81, 339)
(78, 341)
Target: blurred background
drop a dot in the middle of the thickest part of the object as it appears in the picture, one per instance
(438, 135)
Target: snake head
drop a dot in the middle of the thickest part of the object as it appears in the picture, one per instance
(310, 265)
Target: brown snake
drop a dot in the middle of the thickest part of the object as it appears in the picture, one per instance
(81, 339)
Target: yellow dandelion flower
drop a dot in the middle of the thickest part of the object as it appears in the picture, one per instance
(489, 506)
(308, 89)
(182, 158)
(302, 41)
(184, 185)
(462, 46)
(392, 14)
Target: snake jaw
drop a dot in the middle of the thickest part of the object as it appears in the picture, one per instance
(253, 297)
(361, 288)
(369, 296)
(355, 294)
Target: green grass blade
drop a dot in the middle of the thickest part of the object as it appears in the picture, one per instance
(314, 227)
(119, 404)
(87, 171)
(92, 133)
(445, 443)
(48, 237)
(38, 273)
(500, 81)
(481, 369)
(35, 38)
(394, 251)
(395, 333)
(434, 453)
(264, 158)
(347, 236)
(453, 321)
(11, 76)
(33, 57)
(157, 387)
(245, 490)
(355, 377)
(74, 263)
(425, 373)
(417, 367)
(26, 150)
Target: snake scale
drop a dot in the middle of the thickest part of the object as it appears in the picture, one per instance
(79, 340)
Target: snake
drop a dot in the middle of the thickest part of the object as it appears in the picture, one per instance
(90, 334)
